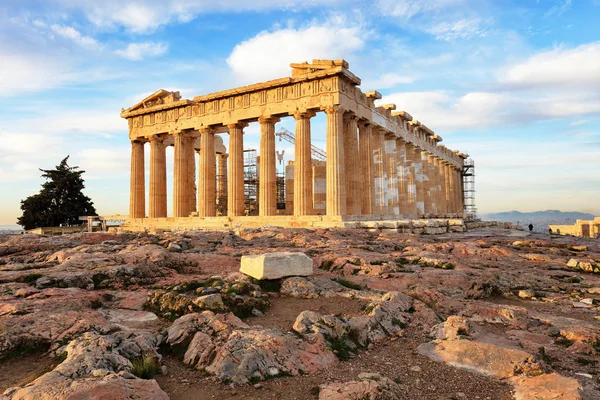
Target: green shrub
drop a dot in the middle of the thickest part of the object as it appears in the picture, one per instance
(340, 347)
(144, 367)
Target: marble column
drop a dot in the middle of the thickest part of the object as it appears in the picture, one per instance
(207, 174)
(365, 138)
(137, 188)
(433, 184)
(180, 178)
(235, 179)
(391, 190)
(411, 180)
(460, 194)
(452, 181)
(353, 201)
(442, 188)
(403, 200)
(303, 177)
(419, 177)
(191, 173)
(267, 186)
(222, 180)
(335, 176)
(378, 170)
(448, 188)
(427, 205)
(158, 178)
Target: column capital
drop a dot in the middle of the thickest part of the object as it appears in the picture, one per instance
(303, 114)
(157, 138)
(141, 140)
(334, 108)
(350, 116)
(268, 119)
(207, 129)
(237, 125)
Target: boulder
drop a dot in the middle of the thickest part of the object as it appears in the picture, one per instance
(97, 366)
(546, 387)
(369, 386)
(276, 265)
(484, 358)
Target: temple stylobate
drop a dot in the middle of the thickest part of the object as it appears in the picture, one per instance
(381, 164)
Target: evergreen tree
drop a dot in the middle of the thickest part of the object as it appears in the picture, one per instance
(59, 202)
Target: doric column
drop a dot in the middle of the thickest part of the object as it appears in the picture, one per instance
(391, 191)
(222, 180)
(378, 170)
(460, 196)
(403, 200)
(452, 181)
(336, 188)
(443, 205)
(411, 180)
(353, 201)
(426, 171)
(267, 185)
(303, 190)
(180, 177)
(235, 180)
(191, 174)
(420, 192)
(158, 178)
(137, 188)
(433, 184)
(448, 188)
(365, 137)
(207, 174)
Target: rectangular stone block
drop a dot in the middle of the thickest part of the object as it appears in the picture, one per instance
(276, 265)
(435, 231)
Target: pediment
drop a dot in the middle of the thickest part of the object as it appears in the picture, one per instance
(157, 98)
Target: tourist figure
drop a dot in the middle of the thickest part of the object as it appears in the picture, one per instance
(530, 227)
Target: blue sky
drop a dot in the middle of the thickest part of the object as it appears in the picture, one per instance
(512, 83)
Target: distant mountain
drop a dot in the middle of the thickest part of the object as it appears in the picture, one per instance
(539, 219)
(538, 216)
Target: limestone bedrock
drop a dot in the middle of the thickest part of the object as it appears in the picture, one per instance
(276, 265)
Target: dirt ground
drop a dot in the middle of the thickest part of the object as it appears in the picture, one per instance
(21, 369)
(420, 378)
(397, 359)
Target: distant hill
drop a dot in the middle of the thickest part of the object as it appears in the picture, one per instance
(538, 216)
(539, 219)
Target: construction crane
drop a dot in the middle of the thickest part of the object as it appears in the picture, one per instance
(288, 136)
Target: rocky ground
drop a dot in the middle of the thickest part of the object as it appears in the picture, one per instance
(486, 314)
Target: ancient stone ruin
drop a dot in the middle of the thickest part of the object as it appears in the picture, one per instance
(381, 164)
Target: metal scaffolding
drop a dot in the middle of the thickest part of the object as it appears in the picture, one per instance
(468, 182)
(250, 182)
(289, 137)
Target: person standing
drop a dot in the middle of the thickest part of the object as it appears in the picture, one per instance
(530, 227)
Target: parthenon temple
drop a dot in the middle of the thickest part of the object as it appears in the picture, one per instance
(380, 164)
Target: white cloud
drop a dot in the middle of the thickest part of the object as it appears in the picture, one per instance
(387, 80)
(446, 20)
(558, 67)
(268, 54)
(74, 35)
(407, 9)
(145, 16)
(461, 29)
(29, 72)
(139, 51)
(561, 7)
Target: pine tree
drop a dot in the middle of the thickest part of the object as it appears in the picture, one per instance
(59, 202)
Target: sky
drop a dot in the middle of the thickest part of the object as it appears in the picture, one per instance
(513, 83)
